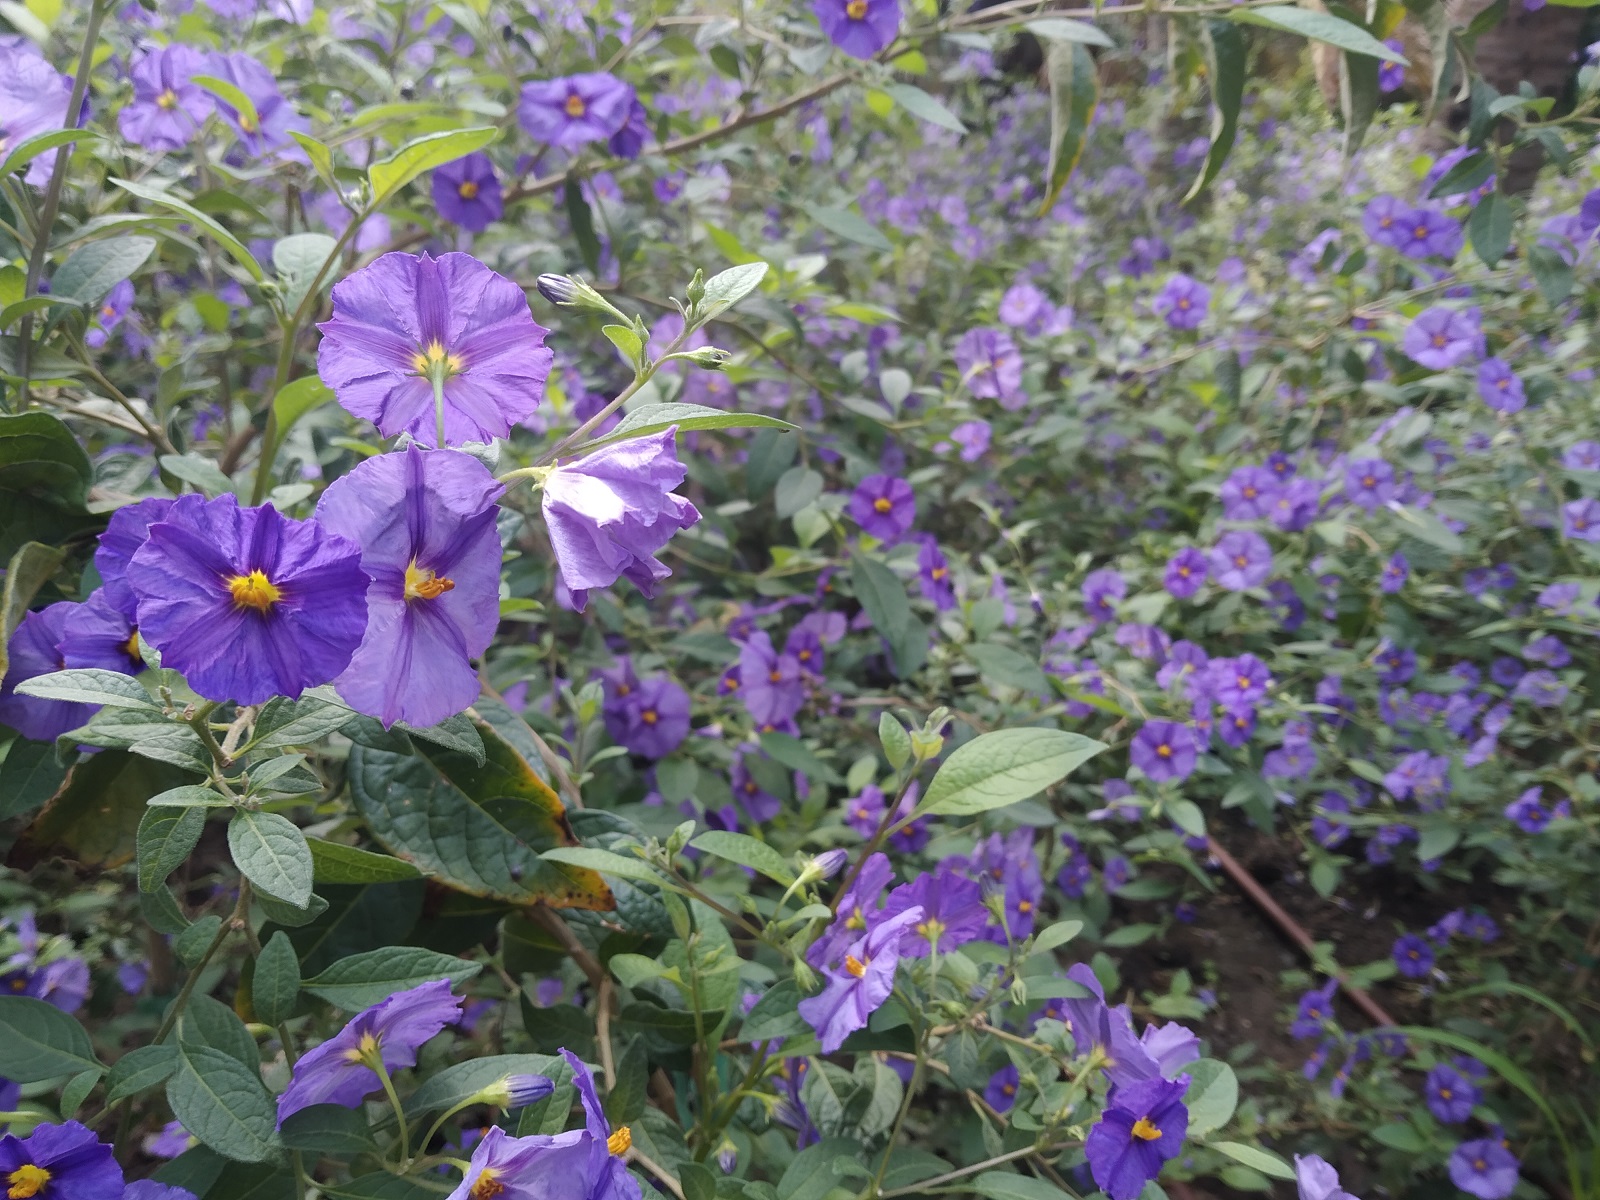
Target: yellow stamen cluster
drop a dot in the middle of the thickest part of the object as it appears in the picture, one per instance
(168, 99)
(254, 590)
(882, 504)
(1145, 1131)
(26, 1182)
(468, 190)
(855, 966)
(575, 106)
(435, 359)
(856, 10)
(423, 584)
(620, 1141)
(487, 1186)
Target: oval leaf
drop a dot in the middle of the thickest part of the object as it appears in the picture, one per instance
(272, 854)
(1001, 768)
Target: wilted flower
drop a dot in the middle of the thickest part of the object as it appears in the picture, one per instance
(417, 342)
(247, 603)
(611, 512)
(425, 522)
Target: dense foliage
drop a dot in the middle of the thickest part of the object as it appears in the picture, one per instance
(738, 602)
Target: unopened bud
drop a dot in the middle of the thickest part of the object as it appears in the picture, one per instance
(516, 1091)
(696, 290)
(558, 289)
(727, 1157)
(829, 863)
(926, 745)
(710, 358)
(804, 977)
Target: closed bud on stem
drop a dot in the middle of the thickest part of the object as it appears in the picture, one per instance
(680, 837)
(696, 290)
(709, 357)
(516, 1091)
(804, 977)
(558, 289)
(926, 745)
(727, 1156)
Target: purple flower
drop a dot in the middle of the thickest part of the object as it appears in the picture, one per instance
(1183, 301)
(467, 192)
(247, 603)
(1163, 750)
(150, 1189)
(628, 141)
(973, 438)
(425, 522)
(33, 100)
(860, 28)
(1484, 1168)
(59, 1162)
(952, 911)
(1450, 1097)
(1369, 483)
(34, 650)
(1315, 1178)
(1413, 957)
(1582, 456)
(417, 342)
(1391, 78)
(933, 576)
(991, 366)
(95, 634)
(341, 1070)
(167, 108)
(1528, 812)
(1315, 1009)
(1296, 504)
(1021, 303)
(769, 682)
(1241, 559)
(1428, 233)
(1102, 590)
(1239, 683)
(1001, 1090)
(575, 110)
(1248, 493)
(884, 506)
(172, 1140)
(1499, 386)
(1581, 519)
(1385, 220)
(758, 804)
(854, 991)
(1143, 1126)
(610, 513)
(1441, 338)
(1395, 573)
(125, 533)
(648, 717)
(274, 119)
(587, 1163)
(1186, 572)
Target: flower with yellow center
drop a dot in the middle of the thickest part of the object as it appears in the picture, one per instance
(26, 1182)
(856, 10)
(1145, 1131)
(488, 1186)
(168, 99)
(856, 966)
(575, 106)
(468, 190)
(882, 504)
(434, 360)
(423, 584)
(255, 591)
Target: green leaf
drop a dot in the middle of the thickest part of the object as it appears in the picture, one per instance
(299, 258)
(29, 775)
(285, 723)
(1003, 665)
(24, 153)
(1056, 935)
(361, 980)
(223, 1103)
(190, 945)
(461, 1081)
(1007, 1185)
(334, 862)
(1397, 1135)
(882, 594)
(454, 733)
(77, 1091)
(198, 470)
(1001, 768)
(1226, 67)
(1074, 95)
(38, 1041)
(226, 240)
(1552, 273)
(209, 1022)
(1359, 96)
(797, 487)
(1489, 229)
(726, 288)
(581, 220)
(747, 851)
(649, 419)
(1189, 818)
(1318, 27)
(44, 482)
(328, 1129)
(139, 1070)
(1508, 987)
(603, 861)
(697, 1180)
(1470, 173)
(923, 106)
(89, 685)
(275, 986)
(95, 815)
(94, 269)
(1265, 1161)
(1423, 525)
(895, 740)
(774, 1015)
(797, 756)
(1063, 29)
(851, 226)
(478, 829)
(167, 836)
(271, 852)
(1493, 1059)
(232, 96)
(424, 154)
(294, 400)
(1212, 1097)
(321, 157)
(190, 795)
(625, 340)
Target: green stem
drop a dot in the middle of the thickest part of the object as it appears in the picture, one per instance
(376, 1063)
(52, 194)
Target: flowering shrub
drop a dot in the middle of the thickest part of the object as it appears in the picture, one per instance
(567, 632)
